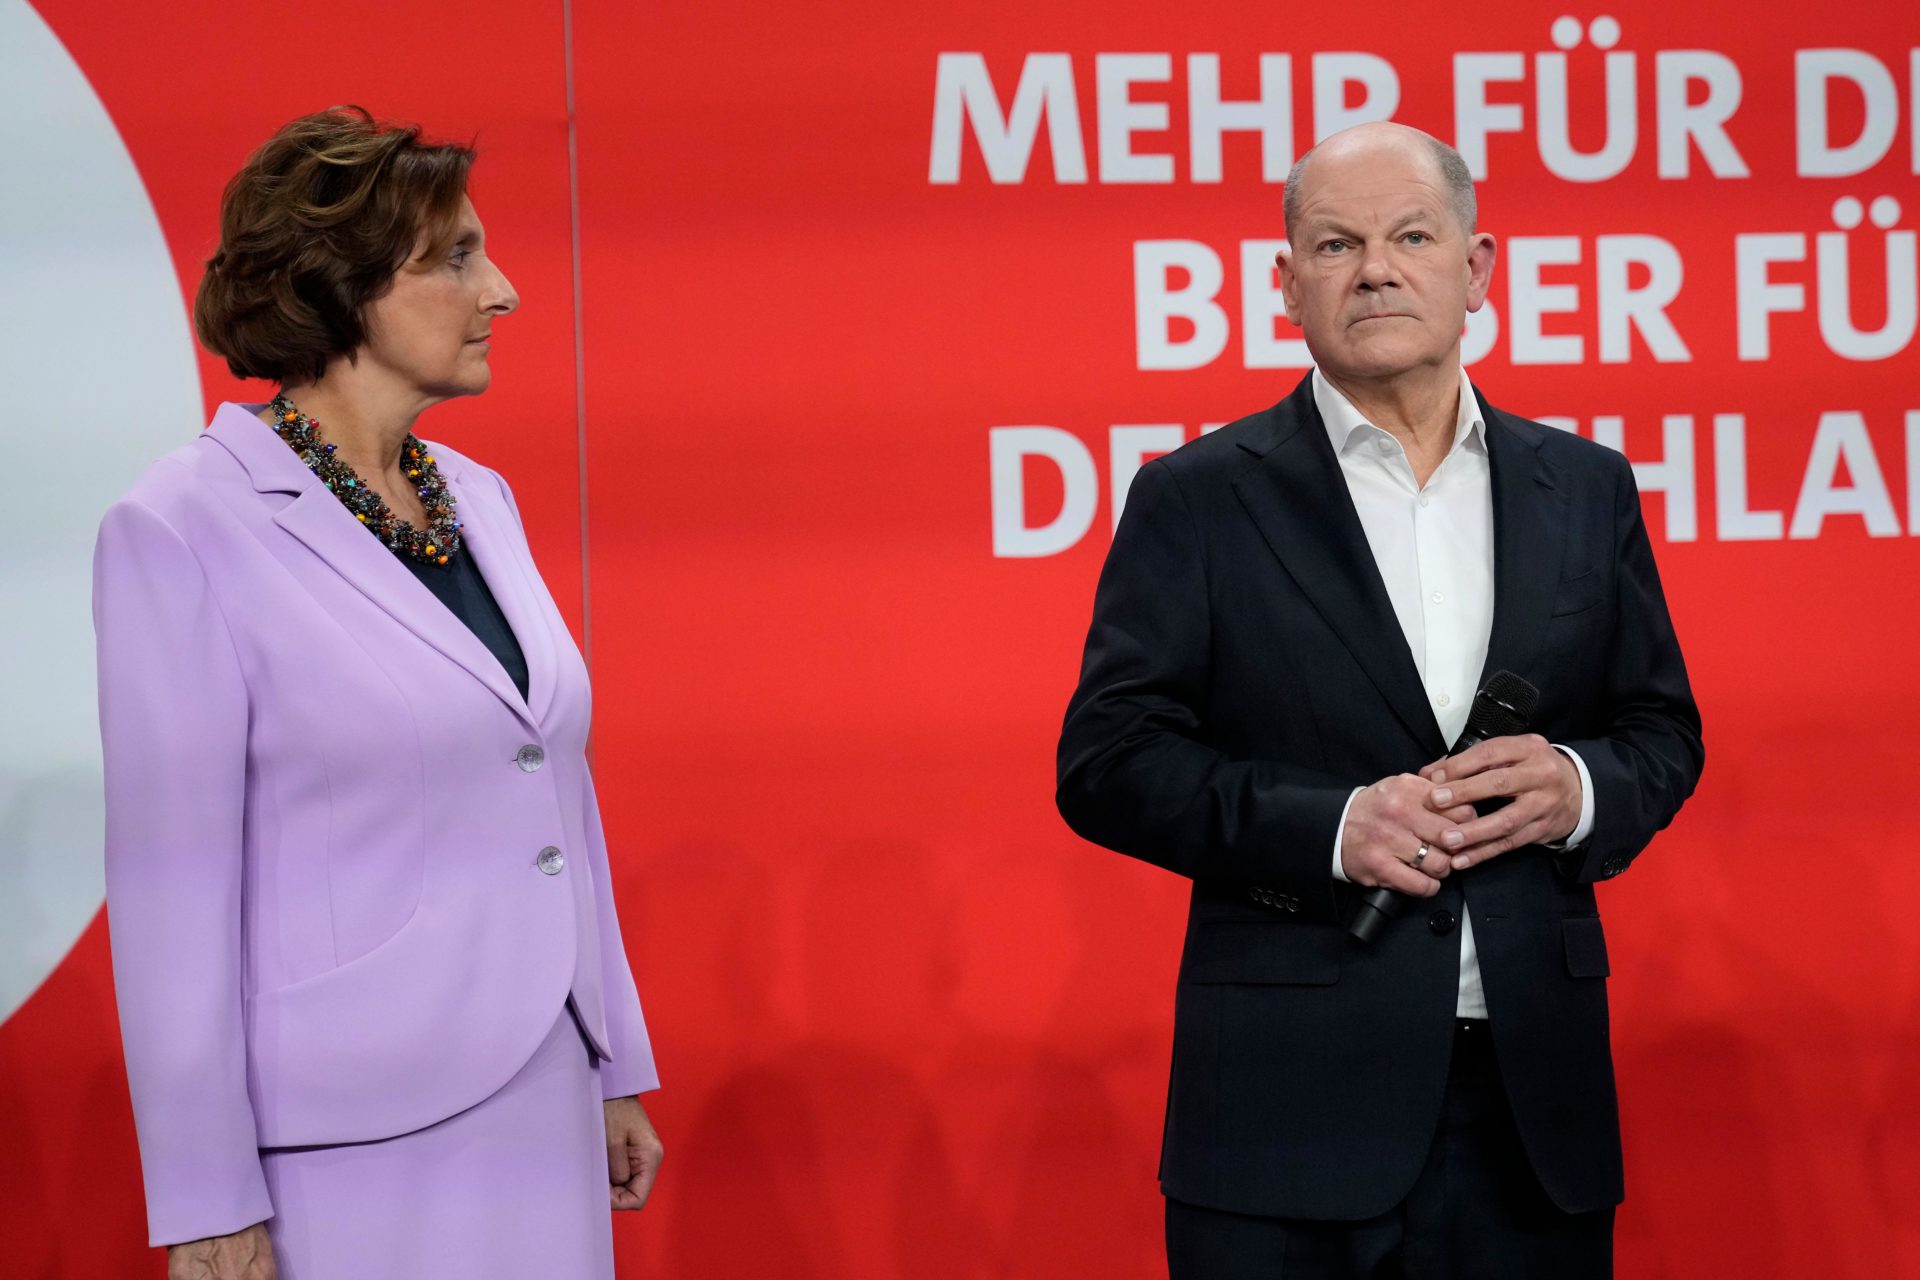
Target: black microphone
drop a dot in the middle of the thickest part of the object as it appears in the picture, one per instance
(1503, 707)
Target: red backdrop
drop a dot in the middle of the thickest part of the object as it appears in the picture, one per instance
(907, 1023)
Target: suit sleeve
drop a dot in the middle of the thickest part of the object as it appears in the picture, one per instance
(1648, 760)
(173, 726)
(632, 1069)
(1136, 772)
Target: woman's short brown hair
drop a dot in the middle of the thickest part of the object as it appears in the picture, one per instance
(312, 229)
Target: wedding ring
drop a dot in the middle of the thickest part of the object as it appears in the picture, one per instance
(1421, 856)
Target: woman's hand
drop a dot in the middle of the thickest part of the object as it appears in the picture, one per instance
(633, 1153)
(244, 1255)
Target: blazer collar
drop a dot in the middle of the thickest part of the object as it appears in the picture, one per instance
(263, 455)
(318, 519)
(1297, 496)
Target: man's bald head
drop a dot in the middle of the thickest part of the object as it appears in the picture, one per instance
(1384, 141)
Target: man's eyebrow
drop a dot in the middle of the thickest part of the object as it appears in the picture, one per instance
(1319, 225)
(1323, 225)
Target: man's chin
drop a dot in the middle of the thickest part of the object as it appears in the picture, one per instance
(1382, 361)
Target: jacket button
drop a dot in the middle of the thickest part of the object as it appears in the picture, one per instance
(550, 861)
(530, 758)
(1441, 922)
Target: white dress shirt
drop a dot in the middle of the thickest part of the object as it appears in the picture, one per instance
(1434, 549)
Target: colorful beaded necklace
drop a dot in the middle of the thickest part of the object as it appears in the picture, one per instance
(438, 543)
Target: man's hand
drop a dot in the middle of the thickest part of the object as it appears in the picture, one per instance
(1386, 826)
(244, 1255)
(1542, 782)
(633, 1153)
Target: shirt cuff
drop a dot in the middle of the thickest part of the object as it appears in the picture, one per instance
(1340, 837)
(1583, 828)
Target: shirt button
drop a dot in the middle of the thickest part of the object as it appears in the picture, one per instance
(1386, 446)
(1423, 499)
(1437, 597)
(550, 861)
(530, 758)
(1442, 700)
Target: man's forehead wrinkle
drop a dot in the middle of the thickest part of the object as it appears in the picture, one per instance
(1357, 208)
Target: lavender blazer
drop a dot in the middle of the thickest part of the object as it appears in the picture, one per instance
(329, 917)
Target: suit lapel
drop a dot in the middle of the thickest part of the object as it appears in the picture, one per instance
(1529, 539)
(316, 518)
(487, 527)
(1297, 496)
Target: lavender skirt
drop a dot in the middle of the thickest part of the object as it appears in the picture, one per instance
(511, 1189)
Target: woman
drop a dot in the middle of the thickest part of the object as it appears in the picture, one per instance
(377, 1015)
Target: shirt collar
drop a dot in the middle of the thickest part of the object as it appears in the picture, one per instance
(1345, 423)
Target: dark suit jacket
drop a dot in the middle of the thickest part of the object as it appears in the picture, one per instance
(1243, 673)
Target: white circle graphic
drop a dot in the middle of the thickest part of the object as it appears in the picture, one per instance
(98, 367)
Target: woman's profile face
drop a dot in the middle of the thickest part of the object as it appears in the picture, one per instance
(432, 328)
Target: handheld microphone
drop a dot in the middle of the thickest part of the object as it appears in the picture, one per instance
(1503, 707)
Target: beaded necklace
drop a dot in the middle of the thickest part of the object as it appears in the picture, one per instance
(438, 543)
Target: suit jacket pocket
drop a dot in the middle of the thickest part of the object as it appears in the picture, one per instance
(1262, 952)
(1586, 946)
(1579, 593)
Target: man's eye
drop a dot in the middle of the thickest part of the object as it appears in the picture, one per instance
(1417, 237)
(1333, 246)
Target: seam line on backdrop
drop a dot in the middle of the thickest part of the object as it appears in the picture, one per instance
(579, 341)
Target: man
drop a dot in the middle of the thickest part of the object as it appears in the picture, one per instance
(1288, 634)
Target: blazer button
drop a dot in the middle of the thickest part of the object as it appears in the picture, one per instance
(530, 758)
(1441, 922)
(550, 861)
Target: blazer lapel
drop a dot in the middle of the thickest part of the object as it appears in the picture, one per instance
(318, 519)
(1529, 538)
(487, 528)
(1297, 496)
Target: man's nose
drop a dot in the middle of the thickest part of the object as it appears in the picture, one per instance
(1377, 270)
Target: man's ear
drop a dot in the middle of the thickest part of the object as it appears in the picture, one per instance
(1283, 261)
(1481, 252)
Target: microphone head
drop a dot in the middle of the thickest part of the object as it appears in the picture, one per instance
(1503, 707)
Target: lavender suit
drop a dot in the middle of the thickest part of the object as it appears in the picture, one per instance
(354, 881)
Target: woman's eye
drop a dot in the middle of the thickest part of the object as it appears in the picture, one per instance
(458, 258)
